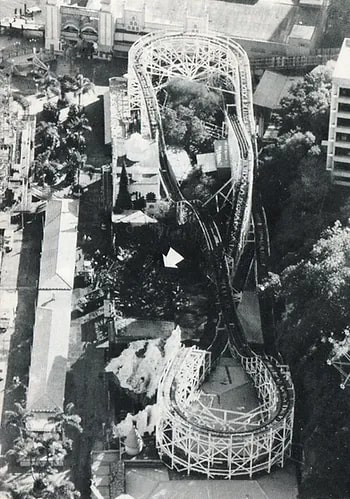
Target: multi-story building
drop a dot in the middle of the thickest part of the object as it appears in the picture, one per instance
(338, 151)
(263, 28)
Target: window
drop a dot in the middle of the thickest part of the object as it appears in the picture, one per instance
(344, 107)
(343, 122)
(344, 92)
(341, 151)
(133, 24)
(342, 137)
(336, 178)
(341, 166)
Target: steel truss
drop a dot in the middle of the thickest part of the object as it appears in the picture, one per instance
(191, 435)
(340, 358)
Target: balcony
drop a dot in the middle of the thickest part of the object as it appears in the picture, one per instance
(341, 143)
(343, 114)
(342, 129)
(341, 159)
(345, 100)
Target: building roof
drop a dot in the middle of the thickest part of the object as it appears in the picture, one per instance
(180, 162)
(132, 217)
(207, 162)
(268, 18)
(342, 68)
(222, 154)
(47, 375)
(134, 329)
(59, 243)
(272, 88)
(311, 3)
(302, 32)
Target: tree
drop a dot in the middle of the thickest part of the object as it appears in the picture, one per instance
(47, 81)
(67, 419)
(63, 491)
(306, 211)
(49, 137)
(280, 166)
(317, 293)
(83, 86)
(150, 197)
(205, 103)
(306, 108)
(123, 201)
(198, 185)
(17, 418)
(76, 126)
(45, 169)
(50, 113)
(74, 165)
(182, 128)
(338, 23)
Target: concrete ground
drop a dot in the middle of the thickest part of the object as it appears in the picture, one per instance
(154, 483)
(231, 387)
(18, 289)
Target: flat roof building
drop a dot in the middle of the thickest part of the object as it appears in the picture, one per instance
(106, 26)
(338, 147)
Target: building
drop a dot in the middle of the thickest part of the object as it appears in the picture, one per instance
(338, 147)
(268, 94)
(263, 28)
(47, 375)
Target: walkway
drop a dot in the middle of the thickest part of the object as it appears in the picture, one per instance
(18, 290)
(154, 483)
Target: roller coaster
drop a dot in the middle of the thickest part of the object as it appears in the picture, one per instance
(192, 435)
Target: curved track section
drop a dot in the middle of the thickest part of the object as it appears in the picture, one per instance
(192, 436)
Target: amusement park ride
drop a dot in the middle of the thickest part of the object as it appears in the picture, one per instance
(191, 435)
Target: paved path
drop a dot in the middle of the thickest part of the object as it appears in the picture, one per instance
(18, 289)
(148, 483)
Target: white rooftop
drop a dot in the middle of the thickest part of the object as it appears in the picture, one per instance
(47, 375)
(133, 217)
(301, 31)
(58, 249)
(342, 68)
(272, 88)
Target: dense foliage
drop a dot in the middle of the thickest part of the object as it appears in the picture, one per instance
(313, 286)
(189, 105)
(60, 147)
(306, 108)
(338, 23)
(317, 291)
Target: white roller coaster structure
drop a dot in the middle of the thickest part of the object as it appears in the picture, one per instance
(191, 435)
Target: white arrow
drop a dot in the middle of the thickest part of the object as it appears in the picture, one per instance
(172, 258)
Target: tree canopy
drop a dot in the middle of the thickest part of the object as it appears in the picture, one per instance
(123, 201)
(188, 105)
(317, 291)
(306, 108)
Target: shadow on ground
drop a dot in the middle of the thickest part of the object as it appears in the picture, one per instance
(85, 387)
(21, 339)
